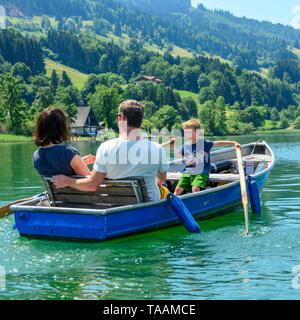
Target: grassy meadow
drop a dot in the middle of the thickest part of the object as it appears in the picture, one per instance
(78, 78)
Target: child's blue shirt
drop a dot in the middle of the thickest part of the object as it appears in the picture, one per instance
(200, 152)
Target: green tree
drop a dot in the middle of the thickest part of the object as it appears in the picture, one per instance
(274, 117)
(73, 94)
(297, 112)
(54, 81)
(44, 98)
(11, 101)
(68, 106)
(20, 69)
(46, 23)
(166, 117)
(150, 109)
(206, 115)
(191, 107)
(297, 123)
(203, 81)
(117, 29)
(252, 115)
(284, 123)
(90, 85)
(206, 93)
(65, 80)
(220, 117)
(105, 102)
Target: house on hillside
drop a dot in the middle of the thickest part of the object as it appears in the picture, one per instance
(146, 78)
(85, 123)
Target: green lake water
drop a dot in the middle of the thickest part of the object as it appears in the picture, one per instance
(219, 263)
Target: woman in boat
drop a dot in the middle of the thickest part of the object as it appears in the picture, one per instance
(53, 157)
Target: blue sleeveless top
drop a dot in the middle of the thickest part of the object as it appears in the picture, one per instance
(54, 160)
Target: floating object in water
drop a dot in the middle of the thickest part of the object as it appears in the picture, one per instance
(254, 196)
(183, 213)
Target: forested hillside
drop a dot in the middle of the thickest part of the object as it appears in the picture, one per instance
(226, 97)
(244, 41)
(16, 48)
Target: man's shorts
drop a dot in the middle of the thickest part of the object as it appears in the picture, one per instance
(188, 181)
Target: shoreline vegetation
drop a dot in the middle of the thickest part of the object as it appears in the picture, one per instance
(9, 138)
(4, 138)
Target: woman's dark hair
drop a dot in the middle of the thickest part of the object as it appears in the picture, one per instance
(51, 128)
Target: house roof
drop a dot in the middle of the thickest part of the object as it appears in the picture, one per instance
(152, 78)
(81, 117)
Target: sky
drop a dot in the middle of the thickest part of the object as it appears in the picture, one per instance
(286, 12)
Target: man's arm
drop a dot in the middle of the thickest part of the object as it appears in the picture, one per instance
(91, 183)
(226, 143)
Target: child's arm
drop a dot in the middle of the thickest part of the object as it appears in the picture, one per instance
(171, 143)
(226, 143)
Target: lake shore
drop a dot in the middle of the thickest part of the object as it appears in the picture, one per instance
(5, 138)
(9, 138)
(285, 131)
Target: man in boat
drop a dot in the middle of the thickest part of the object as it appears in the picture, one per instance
(126, 156)
(197, 152)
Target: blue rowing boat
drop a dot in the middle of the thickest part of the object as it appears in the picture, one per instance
(74, 215)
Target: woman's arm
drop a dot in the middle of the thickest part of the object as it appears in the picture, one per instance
(79, 166)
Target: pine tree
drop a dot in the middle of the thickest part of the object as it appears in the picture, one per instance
(65, 81)
(54, 81)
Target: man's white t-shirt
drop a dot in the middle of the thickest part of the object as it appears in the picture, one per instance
(120, 158)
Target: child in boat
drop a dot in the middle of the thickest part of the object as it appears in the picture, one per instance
(53, 158)
(196, 173)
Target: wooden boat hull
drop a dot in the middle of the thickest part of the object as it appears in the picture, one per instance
(33, 220)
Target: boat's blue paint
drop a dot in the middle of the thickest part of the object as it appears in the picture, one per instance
(60, 225)
(183, 213)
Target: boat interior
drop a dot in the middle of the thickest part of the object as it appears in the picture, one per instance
(115, 193)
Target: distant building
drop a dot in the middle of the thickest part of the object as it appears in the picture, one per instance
(146, 78)
(86, 124)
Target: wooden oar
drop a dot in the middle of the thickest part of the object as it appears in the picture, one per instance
(5, 211)
(243, 186)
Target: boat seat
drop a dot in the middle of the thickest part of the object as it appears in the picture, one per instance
(223, 177)
(213, 177)
(112, 193)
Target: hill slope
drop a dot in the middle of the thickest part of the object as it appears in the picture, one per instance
(247, 42)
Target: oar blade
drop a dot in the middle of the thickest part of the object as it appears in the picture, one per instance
(243, 187)
(5, 211)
